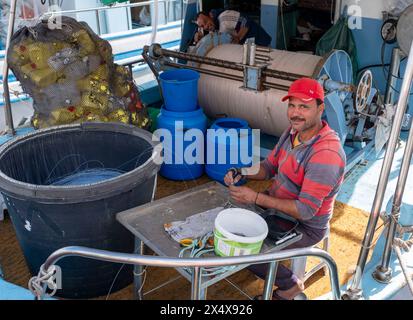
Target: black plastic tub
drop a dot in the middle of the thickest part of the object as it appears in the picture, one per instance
(48, 217)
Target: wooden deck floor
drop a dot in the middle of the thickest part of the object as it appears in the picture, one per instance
(347, 229)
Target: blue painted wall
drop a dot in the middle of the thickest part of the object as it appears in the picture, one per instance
(269, 21)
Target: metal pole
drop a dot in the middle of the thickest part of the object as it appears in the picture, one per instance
(98, 22)
(269, 280)
(392, 78)
(354, 291)
(401, 184)
(6, 91)
(196, 283)
(337, 10)
(138, 270)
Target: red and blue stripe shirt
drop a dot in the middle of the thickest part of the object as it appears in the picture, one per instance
(310, 173)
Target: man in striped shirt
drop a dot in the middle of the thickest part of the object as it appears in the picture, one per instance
(307, 166)
(230, 21)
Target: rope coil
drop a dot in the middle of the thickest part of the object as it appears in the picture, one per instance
(45, 279)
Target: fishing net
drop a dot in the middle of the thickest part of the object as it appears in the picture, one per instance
(71, 76)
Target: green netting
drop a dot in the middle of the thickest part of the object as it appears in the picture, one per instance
(339, 37)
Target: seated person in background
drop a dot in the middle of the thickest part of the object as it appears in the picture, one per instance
(307, 166)
(232, 22)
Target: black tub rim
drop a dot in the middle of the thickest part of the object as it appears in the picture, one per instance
(88, 192)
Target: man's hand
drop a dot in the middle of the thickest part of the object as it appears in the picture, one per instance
(229, 178)
(199, 35)
(243, 194)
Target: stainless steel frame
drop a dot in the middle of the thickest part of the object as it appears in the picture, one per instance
(198, 263)
(382, 272)
(6, 92)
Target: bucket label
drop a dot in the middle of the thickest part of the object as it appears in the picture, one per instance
(241, 252)
(224, 248)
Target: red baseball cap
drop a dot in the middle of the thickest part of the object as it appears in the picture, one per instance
(305, 89)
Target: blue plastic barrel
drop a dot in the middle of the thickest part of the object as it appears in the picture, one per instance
(230, 146)
(180, 89)
(176, 165)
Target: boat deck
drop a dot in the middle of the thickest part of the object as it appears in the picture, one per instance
(348, 225)
(347, 228)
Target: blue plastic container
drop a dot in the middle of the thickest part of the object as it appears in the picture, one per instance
(176, 165)
(180, 89)
(232, 148)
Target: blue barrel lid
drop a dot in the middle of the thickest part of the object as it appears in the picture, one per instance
(230, 123)
(179, 76)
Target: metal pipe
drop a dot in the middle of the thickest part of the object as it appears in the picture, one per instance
(275, 86)
(404, 171)
(156, 261)
(153, 69)
(223, 75)
(269, 280)
(355, 290)
(337, 10)
(98, 22)
(6, 92)
(138, 270)
(263, 49)
(129, 61)
(263, 57)
(224, 64)
(205, 71)
(196, 283)
(252, 54)
(245, 54)
(392, 78)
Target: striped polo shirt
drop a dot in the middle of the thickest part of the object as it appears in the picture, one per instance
(311, 174)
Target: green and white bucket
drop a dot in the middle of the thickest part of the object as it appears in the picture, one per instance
(239, 232)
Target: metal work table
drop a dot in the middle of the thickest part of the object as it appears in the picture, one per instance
(146, 222)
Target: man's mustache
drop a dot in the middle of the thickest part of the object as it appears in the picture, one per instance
(297, 119)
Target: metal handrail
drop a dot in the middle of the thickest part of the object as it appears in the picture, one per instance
(196, 263)
(355, 291)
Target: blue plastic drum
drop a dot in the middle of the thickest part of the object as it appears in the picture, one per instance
(187, 163)
(180, 89)
(230, 146)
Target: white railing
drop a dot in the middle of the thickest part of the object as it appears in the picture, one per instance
(97, 10)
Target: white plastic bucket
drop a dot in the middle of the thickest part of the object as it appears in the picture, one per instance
(239, 232)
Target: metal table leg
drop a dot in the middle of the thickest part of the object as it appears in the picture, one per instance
(138, 270)
(203, 294)
(269, 280)
(196, 292)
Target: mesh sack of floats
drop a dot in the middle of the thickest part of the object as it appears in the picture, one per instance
(70, 74)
